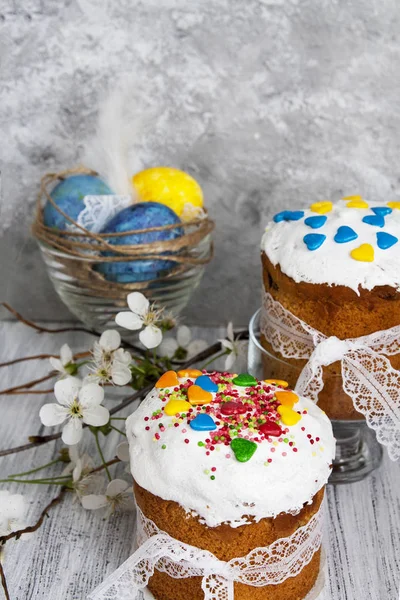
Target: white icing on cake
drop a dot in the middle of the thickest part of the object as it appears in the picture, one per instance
(182, 471)
(331, 263)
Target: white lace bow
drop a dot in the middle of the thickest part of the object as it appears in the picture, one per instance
(99, 210)
(368, 377)
(271, 565)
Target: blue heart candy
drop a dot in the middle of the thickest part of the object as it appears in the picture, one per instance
(289, 215)
(203, 422)
(382, 210)
(314, 240)
(376, 220)
(345, 234)
(315, 222)
(385, 240)
(206, 383)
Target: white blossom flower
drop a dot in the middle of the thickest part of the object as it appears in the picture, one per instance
(118, 494)
(141, 315)
(77, 404)
(12, 512)
(235, 348)
(183, 347)
(65, 365)
(81, 467)
(110, 362)
(123, 451)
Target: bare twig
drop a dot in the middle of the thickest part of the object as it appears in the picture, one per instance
(40, 329)
(4, 582)
(26, 386)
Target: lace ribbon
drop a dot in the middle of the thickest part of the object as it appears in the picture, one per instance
(368, 377)
(98, 211)
(271, 565)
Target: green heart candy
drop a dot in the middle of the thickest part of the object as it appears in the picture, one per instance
(243, 449)
(245, 380)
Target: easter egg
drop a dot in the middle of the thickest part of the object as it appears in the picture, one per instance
(168, 186)
(143, 215)
(68, 195)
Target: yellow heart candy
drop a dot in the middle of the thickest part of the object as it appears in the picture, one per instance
(287, 398)
(169, 379)
(189, 373)
(289, 416)
(196, 395)
(175, 407)
(364, 253)
(355, 202)
(394, 204)
(322, 207)
(279, 382)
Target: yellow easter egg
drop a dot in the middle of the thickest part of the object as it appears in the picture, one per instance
(169, 186)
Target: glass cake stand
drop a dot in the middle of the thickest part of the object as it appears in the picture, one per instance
(357, 450)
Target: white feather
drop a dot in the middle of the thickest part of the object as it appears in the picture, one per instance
(108, 151)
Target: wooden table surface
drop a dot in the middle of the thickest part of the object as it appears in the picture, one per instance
(75, 549)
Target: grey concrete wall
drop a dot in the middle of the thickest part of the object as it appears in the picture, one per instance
(270, 103)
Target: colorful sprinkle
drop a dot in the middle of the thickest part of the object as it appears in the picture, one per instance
(322, 207)
(270, 428)
(381, 210)
(196, 395)
(244, 380)
(315, 222)
(376, 220)
(206, 383)
(243, 449)
(279, 382)
(385, 240)
(289, 416)
(364, 253)
(175, 407)
(287, 398)
(314, 240)
(345, 234)
(203, 422)
(168, 379)
(189, 373)
(289, 215)
(394, 204)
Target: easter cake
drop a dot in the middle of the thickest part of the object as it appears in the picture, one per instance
(335, 266)
(229, 464)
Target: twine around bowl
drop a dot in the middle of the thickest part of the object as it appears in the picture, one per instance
(78, 242)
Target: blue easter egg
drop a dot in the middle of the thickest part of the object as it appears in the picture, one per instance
(69, 195)
(142, 215)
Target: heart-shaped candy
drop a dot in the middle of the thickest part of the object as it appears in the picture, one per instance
(345, 234)
(168, 379)
(314, 240)
(385, 240)
(364, 253)
(376, 220)
(203, 422)
(394, 204)
(244, 380)
(243, 449)
(382, 210)
(233, 408)
(287, 398)
(196, 395)
(279, 382)
(270, 428)
(315, 222)
(289, 215)
(189, 373)
(175, 407)
(355, 202)
(289, 416)
(206, 383)
(322, 207)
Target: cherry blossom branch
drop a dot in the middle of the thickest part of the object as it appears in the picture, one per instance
(4, 582)
(40, 329)
(26, 386)
(41, 357)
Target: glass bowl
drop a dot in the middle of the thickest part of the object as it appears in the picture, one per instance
(357, 450)
(82, 289)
